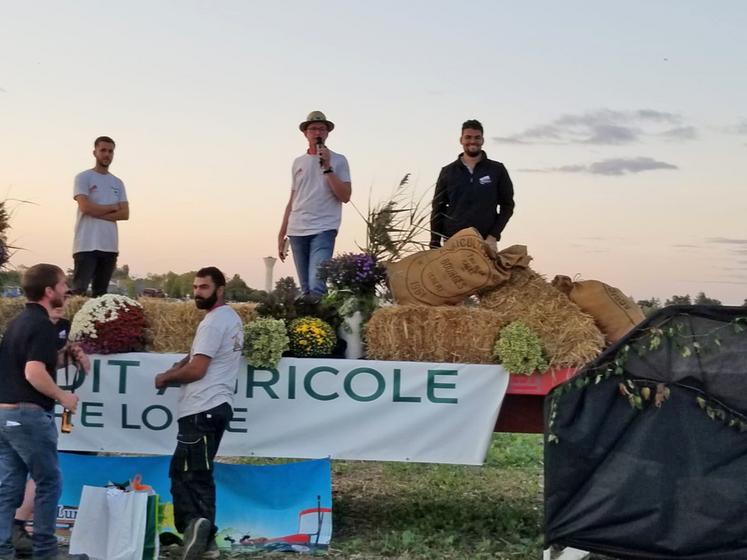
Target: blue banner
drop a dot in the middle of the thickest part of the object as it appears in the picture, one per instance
(284, 507)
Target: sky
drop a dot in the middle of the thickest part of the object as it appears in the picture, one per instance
(623, 125)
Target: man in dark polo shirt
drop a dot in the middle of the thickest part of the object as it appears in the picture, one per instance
(28, 392)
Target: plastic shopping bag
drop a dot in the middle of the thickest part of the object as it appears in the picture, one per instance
(111, 524)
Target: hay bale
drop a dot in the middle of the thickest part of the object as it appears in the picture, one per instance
(9, 308)
(570, 336)
(172, 324)
(73, 305)
(457, 334)
(247, 311)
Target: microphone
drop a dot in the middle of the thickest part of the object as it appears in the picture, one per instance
(320, 144)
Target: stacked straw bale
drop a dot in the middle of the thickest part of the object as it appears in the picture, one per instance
(171, 324)
(455, 334)
(73, 305)
(463, 334)
(570, 336)
(9, 308)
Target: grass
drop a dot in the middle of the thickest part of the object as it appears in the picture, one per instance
(419, 512)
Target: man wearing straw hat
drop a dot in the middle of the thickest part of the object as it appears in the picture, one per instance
(207, 376)
(470, 190)
(320, 185)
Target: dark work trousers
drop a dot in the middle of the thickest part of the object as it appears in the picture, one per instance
(191, 470)
(95, 268)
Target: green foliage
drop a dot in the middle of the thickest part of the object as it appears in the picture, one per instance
(702, 299)
(416, 511)
(649, 306)
(237, 289)
(674, 336)
(310, 336)
(519, 350)
(398, 226)
(679, 300)
(284, 303)
(286, 289)
(121, 273)
(446, 512)
(10, 278)
(265, 340)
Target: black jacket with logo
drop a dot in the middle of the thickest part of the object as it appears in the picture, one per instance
(463, 199)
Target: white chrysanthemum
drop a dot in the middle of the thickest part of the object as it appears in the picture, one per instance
(98, 310)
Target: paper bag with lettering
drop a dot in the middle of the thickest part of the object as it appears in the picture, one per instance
(445, 276)
(614, 312)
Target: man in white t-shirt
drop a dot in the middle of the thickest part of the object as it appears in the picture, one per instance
(208, 377)
(320, 183)
(102, 202)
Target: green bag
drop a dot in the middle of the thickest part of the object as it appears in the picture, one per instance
(152, 526)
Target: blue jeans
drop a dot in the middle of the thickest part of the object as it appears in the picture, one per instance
(309, 251)
(28, 445)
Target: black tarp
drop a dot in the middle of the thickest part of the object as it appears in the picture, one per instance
(629, 479)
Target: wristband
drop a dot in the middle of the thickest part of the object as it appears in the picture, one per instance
(328, 170)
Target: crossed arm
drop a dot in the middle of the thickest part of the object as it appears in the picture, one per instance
(109, 212)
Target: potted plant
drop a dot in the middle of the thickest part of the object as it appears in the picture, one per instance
(109, 324)
(353, 279)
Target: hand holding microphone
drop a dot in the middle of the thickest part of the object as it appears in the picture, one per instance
(319, 150)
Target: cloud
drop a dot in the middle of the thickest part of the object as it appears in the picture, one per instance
(686, 246)
(680, 133)
(739, 128)
(604, 127)
(610, 167)
(726, 240)
(718, 281)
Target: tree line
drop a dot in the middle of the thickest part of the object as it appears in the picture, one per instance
(650, 305)
(170, 284)
(179, 286)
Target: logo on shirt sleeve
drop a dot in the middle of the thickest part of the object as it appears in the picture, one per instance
(238, 342)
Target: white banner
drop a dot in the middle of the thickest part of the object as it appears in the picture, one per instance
(304, 408)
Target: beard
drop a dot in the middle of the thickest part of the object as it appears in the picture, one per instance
(208, 302)
(473, 151)
(57, 302)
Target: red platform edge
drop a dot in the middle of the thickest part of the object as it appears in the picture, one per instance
(538, 384)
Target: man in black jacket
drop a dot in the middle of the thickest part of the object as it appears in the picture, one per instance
(469, 192)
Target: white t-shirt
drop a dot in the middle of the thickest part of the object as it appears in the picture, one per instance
(220, 336)
(315, 207)
(95, 234)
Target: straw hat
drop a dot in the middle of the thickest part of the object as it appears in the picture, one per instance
(314, 117)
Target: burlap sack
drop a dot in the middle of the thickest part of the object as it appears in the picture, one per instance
(614, 312)
(445, 276)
